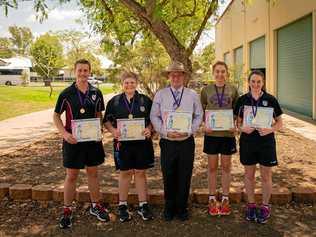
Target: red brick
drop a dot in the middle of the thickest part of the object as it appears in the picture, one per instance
(20, 191)
(304, 194)
(58, 193)
(156, 197)
(4, 189)
(258, 196)
(83, 194)
(42, 192)
(201, 195)
(281, 196)
(110, 195)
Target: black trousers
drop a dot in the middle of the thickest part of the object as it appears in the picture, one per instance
(177, 159)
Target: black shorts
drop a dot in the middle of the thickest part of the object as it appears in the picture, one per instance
(219, 145)
(263, 152)
(134, 155)
(82, 154)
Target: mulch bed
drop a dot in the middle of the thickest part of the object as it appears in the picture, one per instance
(41, 163)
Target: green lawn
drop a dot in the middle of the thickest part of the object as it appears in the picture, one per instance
(18, 100)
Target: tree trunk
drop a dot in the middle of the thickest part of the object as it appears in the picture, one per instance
(161, 30)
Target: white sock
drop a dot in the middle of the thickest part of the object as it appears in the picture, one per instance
(142, 203)
(211, 197)
(123, 203)
(225, 198)
(93, 204)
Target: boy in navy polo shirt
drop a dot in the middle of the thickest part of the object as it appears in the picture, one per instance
(80, 101)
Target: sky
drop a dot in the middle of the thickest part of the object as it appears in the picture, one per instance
(65, 17)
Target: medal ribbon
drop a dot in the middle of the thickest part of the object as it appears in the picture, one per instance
(82, 100)
(220, 97)
(254, 106)
(177, 102)
(130, 109)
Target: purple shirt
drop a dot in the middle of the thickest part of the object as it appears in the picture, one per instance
(163, 101)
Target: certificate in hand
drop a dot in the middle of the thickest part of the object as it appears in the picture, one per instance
(85, 130)
(178, 121)
(131, 129)
(263, 118)
(219, 120)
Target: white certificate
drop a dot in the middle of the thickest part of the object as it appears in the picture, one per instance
(178, 121)
(263, 118)
(219, 120)
(131, 129)
(85, 130)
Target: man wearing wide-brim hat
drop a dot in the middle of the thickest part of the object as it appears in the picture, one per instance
(177, 142)
(175, 66)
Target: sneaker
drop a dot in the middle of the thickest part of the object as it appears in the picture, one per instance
(225, 208)
(100, 212)
(123, 213)
(145, 212)
(251, 212)
(168, 215)
(264, 214)
(65, 220)
(213, 209)
(183, 215)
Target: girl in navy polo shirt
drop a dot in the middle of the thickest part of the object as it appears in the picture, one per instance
(257, 145)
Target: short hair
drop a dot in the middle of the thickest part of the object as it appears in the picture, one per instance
(128, 74)
(222, 63)
(82, 61)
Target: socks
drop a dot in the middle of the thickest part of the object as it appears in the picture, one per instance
(142, 203)
(224, 197)
(123, 203)
(212, 198)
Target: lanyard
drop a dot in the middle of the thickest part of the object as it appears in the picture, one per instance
(220, 97)
(129, 108)
(254, 105)
(177, 102)
(82, 100)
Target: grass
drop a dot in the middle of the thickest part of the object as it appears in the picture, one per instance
(18, 100)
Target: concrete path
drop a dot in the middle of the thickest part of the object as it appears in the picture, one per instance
(20, 131)
(15, 133)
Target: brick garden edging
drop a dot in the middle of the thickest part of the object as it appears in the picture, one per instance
(280, 196)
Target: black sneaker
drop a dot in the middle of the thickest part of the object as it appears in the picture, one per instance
(100, 212)
(183, 215)
(65, 220)
(145, 212)
(123, 213)
(168, 215)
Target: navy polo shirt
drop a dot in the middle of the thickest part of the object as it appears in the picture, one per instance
(266, 100)
(117, 108)
(69, 101)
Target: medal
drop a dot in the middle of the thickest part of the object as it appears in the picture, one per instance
(128, 107)
(82, 110)
(177, 102)
(220, 97)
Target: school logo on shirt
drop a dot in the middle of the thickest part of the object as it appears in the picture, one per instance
(142, 108)
(94, 97)
(265, 103)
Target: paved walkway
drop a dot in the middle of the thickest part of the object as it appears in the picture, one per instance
(15, 133)
(20, 131)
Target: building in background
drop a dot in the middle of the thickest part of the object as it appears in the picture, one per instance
(278, 38)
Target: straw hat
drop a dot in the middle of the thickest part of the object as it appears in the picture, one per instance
(175, 66)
